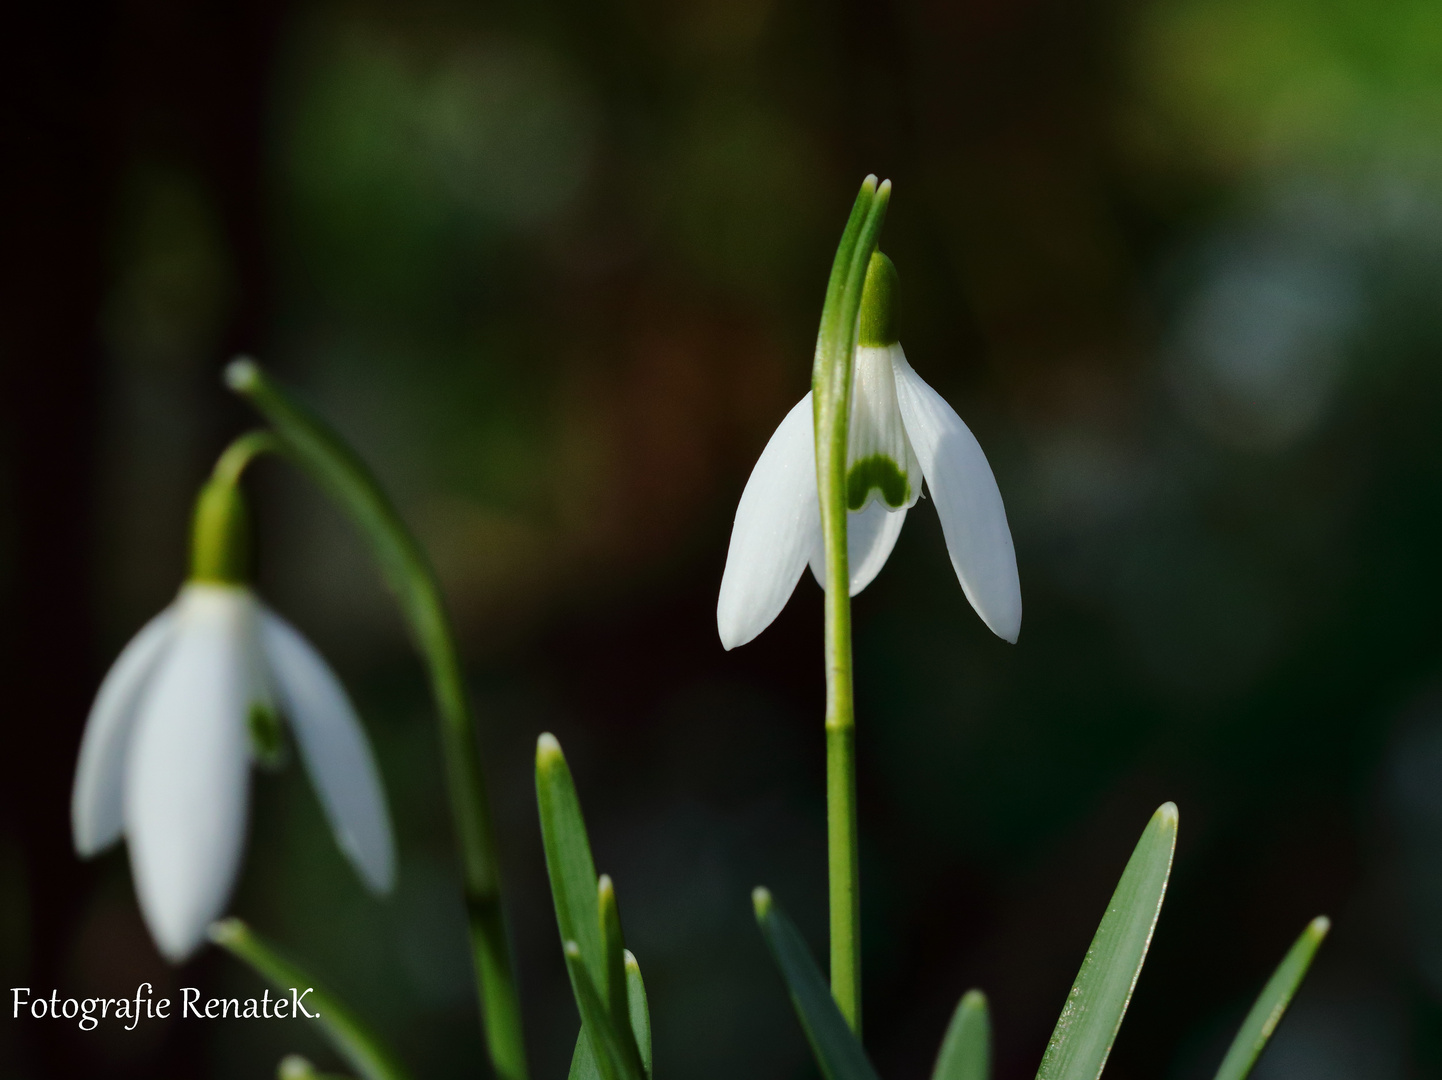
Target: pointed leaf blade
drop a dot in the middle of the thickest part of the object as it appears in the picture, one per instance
(966, 1051)
(1098, 1000)
(568, 856)
(1272, 1002)
(639, 1010)
(616, 1061)
(836, 1049)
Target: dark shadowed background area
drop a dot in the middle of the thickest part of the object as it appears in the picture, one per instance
(556, 269)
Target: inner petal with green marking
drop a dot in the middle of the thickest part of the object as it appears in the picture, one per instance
(880, 463)
(880, 474)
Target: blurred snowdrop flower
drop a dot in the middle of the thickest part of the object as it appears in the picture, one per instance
(900, 433)
(194, 699)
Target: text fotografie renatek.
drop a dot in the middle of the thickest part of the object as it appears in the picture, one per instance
(89, 1012)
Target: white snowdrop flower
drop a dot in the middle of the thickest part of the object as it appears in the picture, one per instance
(196, 697)
(901, 432)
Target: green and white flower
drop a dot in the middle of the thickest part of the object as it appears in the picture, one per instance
(193, 700)
(901, 432)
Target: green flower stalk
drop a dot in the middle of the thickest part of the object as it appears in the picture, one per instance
(832, 489)
(311, 443)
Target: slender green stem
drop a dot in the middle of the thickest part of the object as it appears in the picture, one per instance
(831, 401)
(311, 443)
(241, 452)
(360, 1046)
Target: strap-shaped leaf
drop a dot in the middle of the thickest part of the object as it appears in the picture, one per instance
(1272, 1002)
(1098, 1000)
(614, 942)
(640, 1011)
(614, 1056)
(568, 857)
(583, 1060)
(966, 1050)
(836, 1049)
(360, 1047)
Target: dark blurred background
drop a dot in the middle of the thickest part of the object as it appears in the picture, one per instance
(556, 269)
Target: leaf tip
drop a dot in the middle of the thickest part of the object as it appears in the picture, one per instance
(761, 901)
(1168, 815)
(548, 750)
(571, 949)
(974, 1001)
(242, 374)
(1317, 929)
(632, 967)
(227, 932)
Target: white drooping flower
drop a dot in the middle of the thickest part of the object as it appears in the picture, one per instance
(193, 700)
(900, 433)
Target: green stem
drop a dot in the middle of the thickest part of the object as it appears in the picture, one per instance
(831, 401)
(312, 444)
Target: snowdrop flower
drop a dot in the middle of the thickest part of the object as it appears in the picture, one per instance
(194, 699)
(900, 433)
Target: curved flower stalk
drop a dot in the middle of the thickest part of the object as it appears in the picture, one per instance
(900, 433)
(194, 700)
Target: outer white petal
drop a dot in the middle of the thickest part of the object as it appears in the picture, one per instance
(186, 785)
(871, 533)
(97, 802)
(777, 525)
(967, 499)
(335, 750)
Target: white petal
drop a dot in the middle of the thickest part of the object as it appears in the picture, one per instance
(870, 535)
(186, 785)
(777, 523)
(335, 750)
(967, 499)
(97, 804)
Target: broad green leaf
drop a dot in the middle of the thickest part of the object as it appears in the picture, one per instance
(1272, 1002)
(614, 1055)
(966, 1050)
(1098, 1000)
(568, 857)
(639, 1010)
(836, 1049)
(360, 1047)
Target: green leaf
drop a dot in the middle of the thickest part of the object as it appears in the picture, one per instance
(1098, 1000)
(583, 1060)
(614, 942)
(966, 1050)
(1272, 1002)
(614, 1056)
(834, 1046)
(568, 857)
(360, 1047)
(639, 1010)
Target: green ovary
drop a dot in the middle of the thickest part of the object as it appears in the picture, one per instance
(880, 472)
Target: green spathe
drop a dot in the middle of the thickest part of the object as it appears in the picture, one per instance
(880, 472)
(880, 297)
